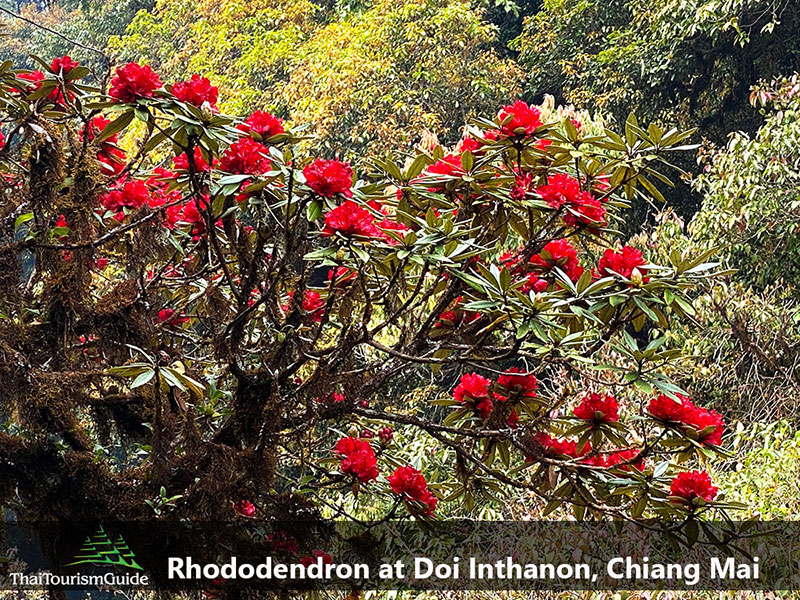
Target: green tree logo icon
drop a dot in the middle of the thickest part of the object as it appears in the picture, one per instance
(99, 549)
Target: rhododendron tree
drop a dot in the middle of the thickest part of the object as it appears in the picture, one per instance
(259, 310)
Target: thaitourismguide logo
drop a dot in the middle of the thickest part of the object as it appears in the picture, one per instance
(98, 550)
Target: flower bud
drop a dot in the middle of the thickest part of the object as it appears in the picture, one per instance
(636, 277)
(385, 435)
(206, 111)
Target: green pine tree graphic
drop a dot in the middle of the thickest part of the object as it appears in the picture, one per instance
(100, 550)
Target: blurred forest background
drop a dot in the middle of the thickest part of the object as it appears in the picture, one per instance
(385, 74)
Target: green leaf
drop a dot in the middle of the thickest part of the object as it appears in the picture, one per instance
(117, 125)
(313, 210)
(142, 379)
(23, 218)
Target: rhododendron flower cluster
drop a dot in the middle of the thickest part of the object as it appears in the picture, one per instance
(329, 178)
(34, 78)
(63, 65)
(132, 195)
(449, 165)
(196, 91)
(515, 383)
(169, 316)
(597, 408)
(316, 556)
(262, 124)
(626, 460)
(134, 82)
(690, 485)
(519, 119)
(538, 271)
(557, 447)
(351, 219)
(245, 508)
(110, 156)
(456, 315)
(410, 484)
(685, 414)
(473, 391)
(181, 162)
(246, 156)
(359, 458)
(312, 305)
(581, 209)
(622, 263)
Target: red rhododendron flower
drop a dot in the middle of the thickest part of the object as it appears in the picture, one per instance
(193, 213)
(195, 91)
(99, 263)
(561, 254)
(471, 387)
(515, 383)
(622, 263)
(456, 315)
(329, 177)
(519, 119)
(359, 458)
(245, 508)
(449, 165)
(701, 419)
(598, 408)
(2, 140)
(666, 409)
(313, 305)
(693, 484)
(246, 156)
(590, 213)
(263, 124)
(63, 65)
(34, 78)
(523, 185)
(170, 317)
(555, 447)
(469, 144)
(534, 283)
(315, 557)
(390, 225)
(181, 162)
(410, 484)
(113, 160)
(350, 219)
(133, 82)
(334, 398)
(687, 414)
(340, 276)
(620, 457)
(562, 189)
(473, 390)
(160, 179)
(95, 127)
(282, 542)
(132, 195)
